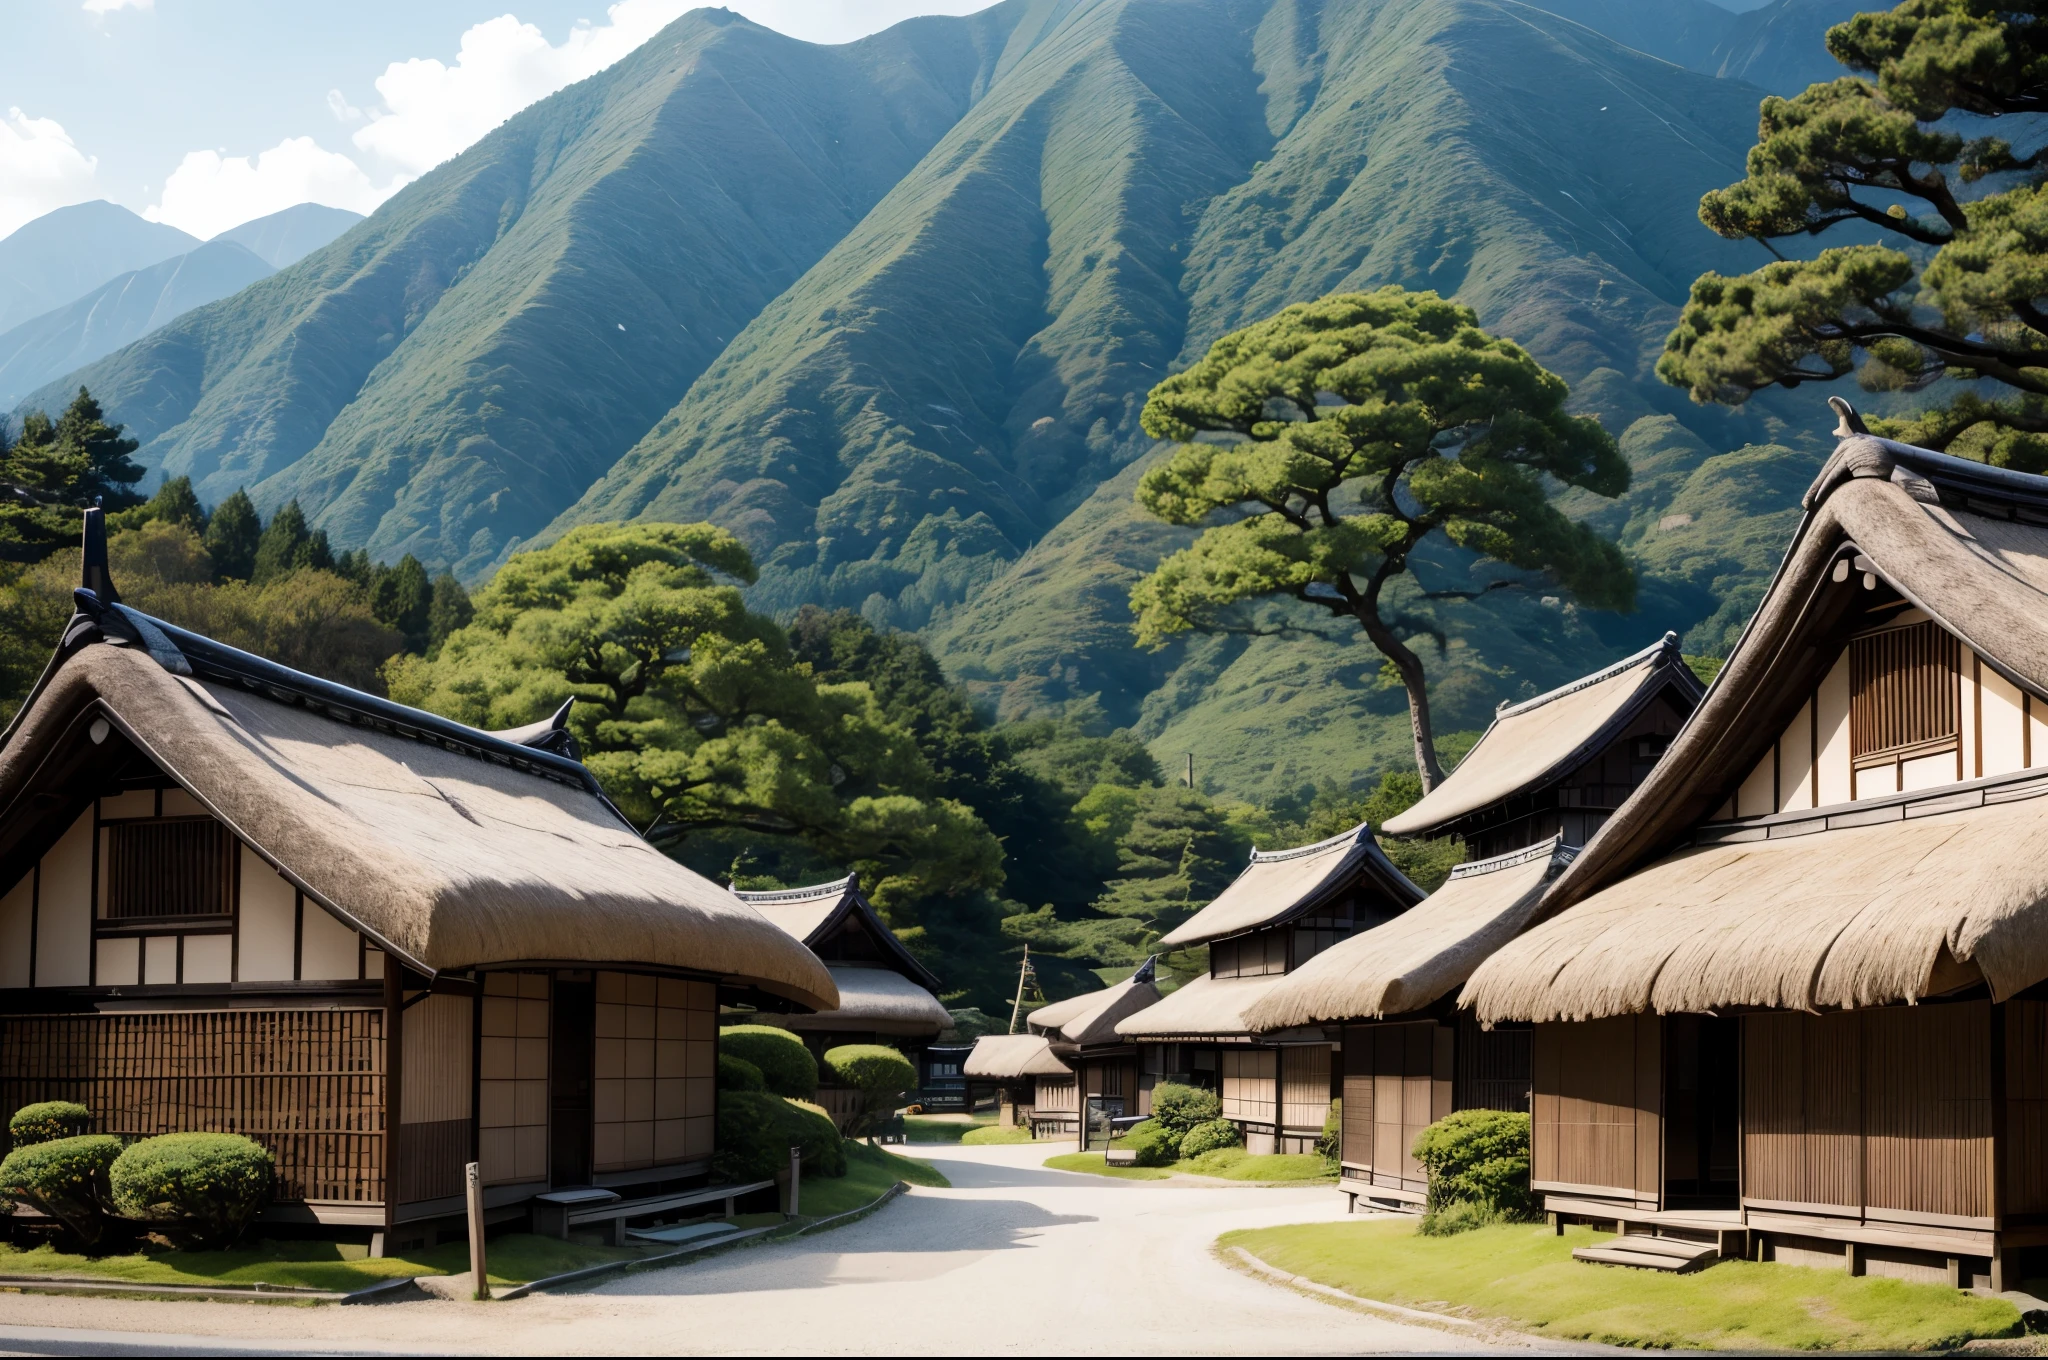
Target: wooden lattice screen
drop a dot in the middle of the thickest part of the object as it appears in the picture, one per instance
(308, 1085)
(1904, 700)
(170, 868)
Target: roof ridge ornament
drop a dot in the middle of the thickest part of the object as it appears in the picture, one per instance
(1850, 422)
(93, 574)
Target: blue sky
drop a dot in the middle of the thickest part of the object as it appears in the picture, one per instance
(205, 113)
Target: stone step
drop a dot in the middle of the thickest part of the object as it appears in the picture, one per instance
(698, 1234)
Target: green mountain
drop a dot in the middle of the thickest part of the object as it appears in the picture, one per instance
(889, 311)
(286, 237)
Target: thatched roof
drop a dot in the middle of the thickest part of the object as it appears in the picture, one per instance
(1279, 885)
(1537, 742)
(873, 997)
(1966, 543)
(1011, 1057)
(447, 846)
(816, 913)
(1208, 1007)
(1091, 1017)
(1421, 955)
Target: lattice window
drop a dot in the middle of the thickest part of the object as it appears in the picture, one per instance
(1260, 954)
(656, 1070)
(1248, 1082)
(1904, 699)
(512, 1114)
(183, 867)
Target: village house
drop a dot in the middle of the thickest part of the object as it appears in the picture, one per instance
(1014, 1065)
(1102, 1082)
(1537, 784)
(382, 944)
(1287, 907)
(1791, 1001)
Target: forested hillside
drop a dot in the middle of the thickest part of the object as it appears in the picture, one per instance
(888, 312)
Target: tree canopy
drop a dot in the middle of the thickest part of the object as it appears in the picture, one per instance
(1321, 447)
(50, 468)
(1957, 290)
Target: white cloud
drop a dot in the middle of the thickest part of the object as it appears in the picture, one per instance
(838, 21)
(343, 111)
(109, 6)
(433, 111)
(41, 168)
(209, 192)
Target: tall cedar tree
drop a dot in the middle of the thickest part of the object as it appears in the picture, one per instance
(1341, 434)
(1960, 293)
(287, 545)
(233, 532)
(52, 467)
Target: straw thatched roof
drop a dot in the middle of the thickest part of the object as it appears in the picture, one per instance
(1279, 885)
(1421, 955)
(873, 997)
(1208, 1007)
(1012, 1057)
(1966, 543)
(817, 913)
(1534, 744)
(447, 846)
(1091, 1018)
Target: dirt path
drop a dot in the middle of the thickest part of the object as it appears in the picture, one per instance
(1012, 1259)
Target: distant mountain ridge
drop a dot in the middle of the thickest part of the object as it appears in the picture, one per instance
(889, 310)
(63, 255)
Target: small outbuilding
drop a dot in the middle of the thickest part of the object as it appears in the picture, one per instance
(1104, 1083)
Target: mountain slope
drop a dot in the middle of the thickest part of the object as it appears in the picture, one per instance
(1682, 32)
(119, 312)
(1781, 46)
(444, 378)
(66, 254)
(284, 238)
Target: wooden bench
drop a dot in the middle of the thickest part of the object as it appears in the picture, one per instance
(561, 1210)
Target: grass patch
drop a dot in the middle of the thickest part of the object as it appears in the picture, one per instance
(870, 1171)
(990, 1135)
(1230, 1164)
(514, 1259)
(943, 1128)
(1525, 1276)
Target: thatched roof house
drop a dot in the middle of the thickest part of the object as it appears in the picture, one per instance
(1091, 1017)
(1560, 763)
(210, 860)
(1851, 824)
(885, 994)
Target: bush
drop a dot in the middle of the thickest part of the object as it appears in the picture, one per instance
(756, 1130)
(1152, 1144)
(1330, 1144)
(1180, 1107)
(66, 1178)
(1209, 1136)
(47, 1122)
(786, 1065)
(737, 1074)
(1456, 1217)
(1477, 1158)
(881, 1075)
(199, 1189)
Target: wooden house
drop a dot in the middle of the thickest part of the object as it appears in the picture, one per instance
(1287, 907)
(1015, 1065)
(1560, 763)
(238, 898)
(1407, 1057)
(1102, 1082)
(1796, 992)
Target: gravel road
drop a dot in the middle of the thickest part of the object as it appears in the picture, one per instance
(1014, 1259)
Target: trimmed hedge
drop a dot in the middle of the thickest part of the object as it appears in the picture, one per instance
(1478, 1162)
(756, 1130)
(48, 1121)
(1181, 1107)
(1209, 1136)
(66, 1178)
(882, 1076)
(1330, 1144)
(786, 1065)
(199, 1189)
(1151, 1143)
(737, 1074)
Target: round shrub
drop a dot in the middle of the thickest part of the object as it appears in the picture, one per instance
(1209, 1136)
(48, 1121)
(756, 1130)
(66, 1178)
(881, 1075)
(786, 1065)
(1478, 1157)
(737, 1074)
(199, 1189)
(1151, 1143)
(1180, 1107)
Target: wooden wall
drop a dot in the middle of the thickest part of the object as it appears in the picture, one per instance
(1493, 1067)
(656, 1071)
(1595, 1123)
(433, 1136)
(1304, 1088)
(1397, 1082)
(307, 1084)
(1249, 1079)
(1883, 1113)
(2026, 1106)
(512, 1085)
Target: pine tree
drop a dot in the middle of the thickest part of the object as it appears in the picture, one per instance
(109, 475)
(449, 611)
(232, 535)
(402, 597)
(288, 545)
(174, 503)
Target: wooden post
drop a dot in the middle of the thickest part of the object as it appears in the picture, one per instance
(473, 1181)
(796, 1179)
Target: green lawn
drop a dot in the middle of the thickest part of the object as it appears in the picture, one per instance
(1230, 1164)
(989, 1134)
(870, 1171)
(943, 1128)
(1524, 1275)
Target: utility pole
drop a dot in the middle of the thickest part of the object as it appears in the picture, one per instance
(1027, 978)
(1189, 777)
